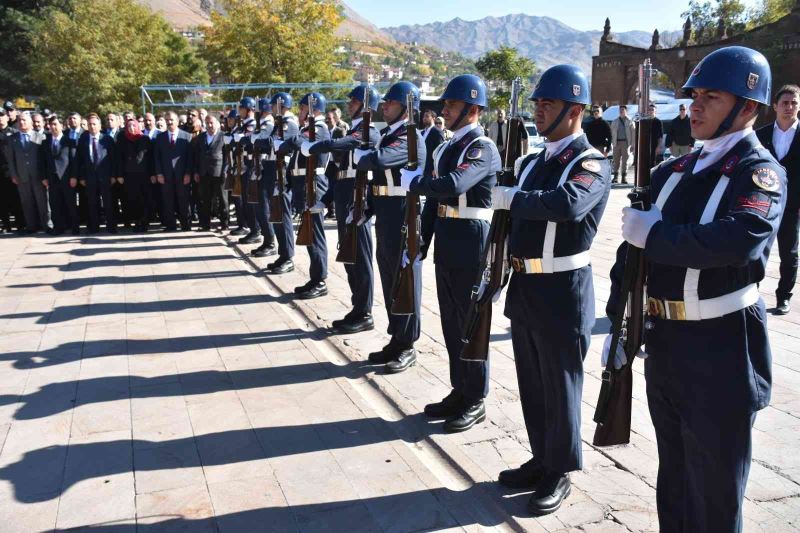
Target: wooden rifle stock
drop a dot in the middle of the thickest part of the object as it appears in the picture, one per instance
(230, 171)
(276, 198)
(348, 247)
(238, 157)
(305, 233)
(252, 183)
(403, 292)
(614, 404)
(494, 269)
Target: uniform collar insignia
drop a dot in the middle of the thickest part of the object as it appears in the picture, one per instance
(730, 164)
(681, 164)
(566, 156)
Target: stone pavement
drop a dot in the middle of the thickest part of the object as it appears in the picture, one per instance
(161, 383)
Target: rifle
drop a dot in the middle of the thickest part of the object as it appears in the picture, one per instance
(252, 183)
(238, 157)
(403, 293)
(348, 247)
(227, 185)
(276, 199)
(494, 263)
(613, 412)
(305, 233)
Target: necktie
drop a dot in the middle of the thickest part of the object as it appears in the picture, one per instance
(94, 150)
(171, 139)
(24, 138)
(55, 145)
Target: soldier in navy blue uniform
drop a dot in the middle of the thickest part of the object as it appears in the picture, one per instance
(281, 104)
(360, 276)
(387, 201)
(266, 181)
(229, 156)
(244, 144)
(457, 185)
(555, 208)
(706, 240)
(318, 251)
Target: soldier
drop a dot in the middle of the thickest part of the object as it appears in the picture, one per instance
(387, 201)
(265, 185)
(555, 209)
(247, 127)
(311, 104)
(706, 240)
(284, 231)
(457, 186)
(229, 156)
(360, 275)
(9, 197)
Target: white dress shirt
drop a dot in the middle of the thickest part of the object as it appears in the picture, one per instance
(552, 149)
(782, 140)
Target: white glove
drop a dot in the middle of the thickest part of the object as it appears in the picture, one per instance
(319, 207)
(349, 219)
(408, 176)
(237, 137)
(276, 144)
(405, 261)
(358, 154)
(306, 147)
(636, 225)
(503, 196)
(619, 355)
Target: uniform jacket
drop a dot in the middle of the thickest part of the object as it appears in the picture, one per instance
(433, 138)
(26, 163)
(173, 161)
(297, 163)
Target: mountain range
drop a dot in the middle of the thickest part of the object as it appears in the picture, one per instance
(545, 40)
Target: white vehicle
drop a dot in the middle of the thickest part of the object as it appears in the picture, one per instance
(535, 141)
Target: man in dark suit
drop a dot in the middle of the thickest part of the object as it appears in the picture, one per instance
(9, 197)
(25, 158)
(97, 167)
(432, 135)
(60, 161)
(173, 165)
(208, 174)
(782, 140)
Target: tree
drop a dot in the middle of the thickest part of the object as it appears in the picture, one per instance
(707, 16)
(770, 11)
(97, 58)
(18, 21)
(502, 66)
(274, 41)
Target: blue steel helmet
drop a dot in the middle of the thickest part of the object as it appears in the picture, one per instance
(738, 70)
(319, 101)
(372, 96)
(400, 91)
(264, 105)
(248, 102)
(233, 113)
(286, 97)
(563, 82)
(467, 88)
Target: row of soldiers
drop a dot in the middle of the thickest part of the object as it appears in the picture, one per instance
(706, 240)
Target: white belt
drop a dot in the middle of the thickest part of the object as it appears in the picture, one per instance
(708, 308)
(351, 173)
(388, 190)
(549, 265)
(470, 213)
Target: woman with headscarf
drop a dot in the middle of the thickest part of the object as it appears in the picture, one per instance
(136, 167)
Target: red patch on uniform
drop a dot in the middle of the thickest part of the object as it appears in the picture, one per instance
(566, 156)
(356, 134)
(396, 143)
(730, 164)
(680, 164)
(755, 202)
(463, 166)
(586, 179)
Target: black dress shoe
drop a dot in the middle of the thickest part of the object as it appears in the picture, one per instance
(451, 405)
(304, 287)
(524, 477)
(549, 493)
(315, 291)
(238, 232)
(783, 306)
(281, 267)
(354, 324)
(402, 361)
(252, 238)
(384, 355)
(264, 251)
(112, 230)
(76, 232)
(468, 417)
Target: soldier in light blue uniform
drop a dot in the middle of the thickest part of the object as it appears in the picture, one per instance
(555, 208)
(360, 276)
(318, 251)
(706, 240)
(266, 181)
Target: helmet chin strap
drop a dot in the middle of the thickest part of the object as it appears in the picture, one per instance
(557, 121)
(728, 122)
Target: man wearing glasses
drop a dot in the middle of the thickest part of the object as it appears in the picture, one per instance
(679, 138)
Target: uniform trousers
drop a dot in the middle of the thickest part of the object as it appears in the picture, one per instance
(10, 204)
(389, 216)
(265, 187)
(360, 276)
(470, 379)
(284, 230)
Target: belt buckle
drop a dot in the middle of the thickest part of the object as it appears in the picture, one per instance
(534, 265)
